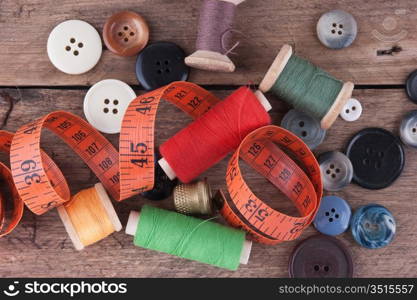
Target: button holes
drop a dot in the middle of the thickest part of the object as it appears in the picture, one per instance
(333, 31)
(326, 268)
(332, 210)
(337, 170)
(389, 220)
(167, 70)
(125, 28)
(304, 134)
(340, 25)
(414, 130)
(76, 53)
(328, 171)
(316, 268)
(106, 101)
(336, 216)
(378, 165)
(347, 111)
(301, 124)
(365, 162)
(68, 48)
(339, 32)
(80, 45)
(115, 102)
(327, 214)
(159, 71)
(120, 34)
(72, 40)
(158, 63)
(332, 166)
(330, 220)
(334, 25)
(353, 107)
(132, 33)
(333, 176)
(106, 110)
(115, 111)
(167, 62)
(126, 39)
(380, 154)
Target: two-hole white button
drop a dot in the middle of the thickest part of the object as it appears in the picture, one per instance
(74, 47)
(352, 110)
(105, 104)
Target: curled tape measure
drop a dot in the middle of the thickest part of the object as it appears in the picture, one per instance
(303, 186)
(42, 186)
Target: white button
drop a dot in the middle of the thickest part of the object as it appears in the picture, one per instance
(105, 104)
(352, 110)
(74, 47)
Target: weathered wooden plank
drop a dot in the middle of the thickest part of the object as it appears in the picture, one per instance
(40, 247)
(266, 25)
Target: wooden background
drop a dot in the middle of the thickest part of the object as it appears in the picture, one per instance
(31, 87)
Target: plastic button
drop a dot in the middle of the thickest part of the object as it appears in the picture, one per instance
(105, 104)
(352, 110)
(333, 216)
(373, 226)
(377, 157)
(163, 186)
(321, 256)
(337, 29)
(411, 86)
(74, 47)
(305, 127)
(408, 129)
(160, 64)
(125, 33)
(336, 170)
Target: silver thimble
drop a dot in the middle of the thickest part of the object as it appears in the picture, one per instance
(194, 198)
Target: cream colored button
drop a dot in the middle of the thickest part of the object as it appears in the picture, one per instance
(74, 47)
(105, 104)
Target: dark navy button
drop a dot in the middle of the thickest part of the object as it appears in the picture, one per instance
(336, 170)
(321, 256)
(333, 216)
(373, 226)
(163, 186)
(377, 157)
(160, 64)
(411, 86)
(408, 129)
(305, 127)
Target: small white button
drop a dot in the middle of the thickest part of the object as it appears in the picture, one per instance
(105, 104)
(352, 110)
(74, 47)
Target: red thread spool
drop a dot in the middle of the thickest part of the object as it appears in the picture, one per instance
(211, 137)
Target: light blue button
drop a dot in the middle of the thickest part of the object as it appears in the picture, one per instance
(373, 226)
(333, 216)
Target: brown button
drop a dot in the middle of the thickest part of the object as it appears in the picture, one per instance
(125, 33)
(321, 256)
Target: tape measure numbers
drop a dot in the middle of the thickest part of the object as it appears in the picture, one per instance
(41, 184)
(303, 186)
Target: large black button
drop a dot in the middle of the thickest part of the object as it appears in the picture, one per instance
(163, 186)
(377, 157)
(320, 256)
(160, 64)
(411, 86)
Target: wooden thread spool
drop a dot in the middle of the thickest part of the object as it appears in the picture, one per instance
(193, 198)
(278, 66)
(210, 54)
(89, 217)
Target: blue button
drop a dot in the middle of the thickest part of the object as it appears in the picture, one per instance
(373, 226)
(333, 216)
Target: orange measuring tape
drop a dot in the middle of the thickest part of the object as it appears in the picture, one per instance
(265, 150)
(42, 186)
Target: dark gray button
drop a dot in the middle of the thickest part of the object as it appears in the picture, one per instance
(408, 129)
(336, 170)
(305, 127)
(337, 29)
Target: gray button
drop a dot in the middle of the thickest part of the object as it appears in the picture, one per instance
(336, 170)
(337, 29)
(305, 127)
(408, 129)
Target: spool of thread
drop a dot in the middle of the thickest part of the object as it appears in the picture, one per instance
(214, 36)
(194, 198)
(188, 237)
(211, 137)
(89, 217)
(306, 87)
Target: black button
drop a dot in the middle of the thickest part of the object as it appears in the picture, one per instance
(160, 64)
(321, 256)
(411, 86)
(377, 157)
(163, 187)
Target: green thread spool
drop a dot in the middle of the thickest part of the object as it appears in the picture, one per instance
(306, 87)
(188, 237)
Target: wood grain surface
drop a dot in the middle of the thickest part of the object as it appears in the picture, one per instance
(40, 247)
(265, 25)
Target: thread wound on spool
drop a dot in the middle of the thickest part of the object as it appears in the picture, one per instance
(190, 238)
(194, 198)
(211, 137)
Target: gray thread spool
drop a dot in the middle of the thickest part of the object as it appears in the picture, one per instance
(214, 33)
